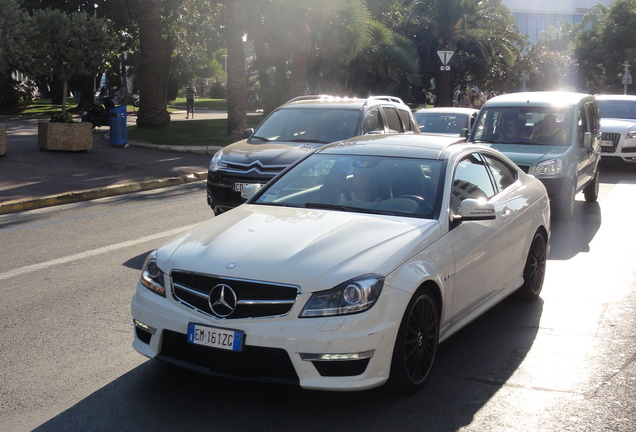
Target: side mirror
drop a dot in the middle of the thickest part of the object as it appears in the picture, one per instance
(250, 190)
(587, 140)
(476, 209)
(248, 133)
(464, 133)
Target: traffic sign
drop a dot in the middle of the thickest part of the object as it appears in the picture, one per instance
(445, 56)
(627, 78)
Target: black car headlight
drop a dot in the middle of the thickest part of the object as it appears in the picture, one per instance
(151, 275)
(217, 162)
(354, 296)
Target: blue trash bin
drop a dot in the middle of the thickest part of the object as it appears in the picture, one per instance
(118, 129)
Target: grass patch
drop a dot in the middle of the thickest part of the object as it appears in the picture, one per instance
(189, 133)
(211, 104)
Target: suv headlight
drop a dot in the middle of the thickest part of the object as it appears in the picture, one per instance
(216, 163)
(354, 296)
(151, 275)
(631, 134)
(550, 167)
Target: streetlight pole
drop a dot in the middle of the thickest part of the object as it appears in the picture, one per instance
(627, 77)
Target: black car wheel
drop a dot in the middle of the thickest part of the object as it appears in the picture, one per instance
(534, 271)
(416, 343)
(591, 190)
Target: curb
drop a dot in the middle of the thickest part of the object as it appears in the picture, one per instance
(101, 192)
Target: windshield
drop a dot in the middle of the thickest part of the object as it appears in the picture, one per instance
(622, 109)
(367, 184)
(441, 122)
(318, 125)
(524, 125)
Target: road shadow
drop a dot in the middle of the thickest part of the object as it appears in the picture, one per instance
(471, 367)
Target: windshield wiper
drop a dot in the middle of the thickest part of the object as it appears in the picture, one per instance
(303, 140)
(260, 138)
(347, 208)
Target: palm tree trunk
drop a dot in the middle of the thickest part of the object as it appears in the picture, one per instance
(236, 83)
(153, 112)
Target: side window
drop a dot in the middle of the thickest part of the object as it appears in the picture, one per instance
(407, 122)
(582, 126)
(503, 174)
(373, 122)
(471, 180)
(393, 120)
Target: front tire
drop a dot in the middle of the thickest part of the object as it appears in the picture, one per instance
(591, 190)
(534, 270)
(564, 207)
(416, 343)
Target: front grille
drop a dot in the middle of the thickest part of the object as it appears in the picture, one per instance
(254, 168)
(614, 138)
(255, 299)
(253, 363)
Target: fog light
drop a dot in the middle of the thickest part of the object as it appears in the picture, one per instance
(337, 357)
(144, 327)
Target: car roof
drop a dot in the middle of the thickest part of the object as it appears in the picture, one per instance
(546, 98)
(400, 145)
(336, 102)
(615, 97)
(449, 110)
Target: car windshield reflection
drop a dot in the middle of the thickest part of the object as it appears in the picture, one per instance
(353, 183)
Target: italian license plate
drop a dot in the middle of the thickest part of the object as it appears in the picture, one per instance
(607, 143)
(231, 340)
(238, 187)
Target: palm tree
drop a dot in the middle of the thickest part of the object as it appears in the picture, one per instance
(483, 25)
(153, 111)
(236, 83)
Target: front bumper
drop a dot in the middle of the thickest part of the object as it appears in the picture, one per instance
(315, 353)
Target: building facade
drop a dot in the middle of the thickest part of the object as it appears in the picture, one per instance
(536, 17)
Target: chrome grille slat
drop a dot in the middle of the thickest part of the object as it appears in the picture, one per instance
(255, 299)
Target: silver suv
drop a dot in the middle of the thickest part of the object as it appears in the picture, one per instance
(291, 131)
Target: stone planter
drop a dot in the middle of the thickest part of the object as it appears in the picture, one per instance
(65, 136)
(3, 140)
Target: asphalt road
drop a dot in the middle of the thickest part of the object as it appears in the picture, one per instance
(563, 363)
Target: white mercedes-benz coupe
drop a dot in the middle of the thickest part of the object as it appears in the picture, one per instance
(346, 270)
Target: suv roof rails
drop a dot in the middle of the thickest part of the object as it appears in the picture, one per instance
(386, 98)
(309, 97)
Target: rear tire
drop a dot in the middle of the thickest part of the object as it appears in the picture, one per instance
(534, 270)
(416, 343)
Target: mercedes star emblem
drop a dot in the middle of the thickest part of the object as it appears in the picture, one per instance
(222, 300)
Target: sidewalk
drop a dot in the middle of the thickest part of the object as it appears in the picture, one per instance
(31, 178)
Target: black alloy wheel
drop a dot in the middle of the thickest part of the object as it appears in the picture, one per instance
(416, 344)
(534, 271)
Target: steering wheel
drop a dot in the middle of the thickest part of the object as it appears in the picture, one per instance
(424, 205)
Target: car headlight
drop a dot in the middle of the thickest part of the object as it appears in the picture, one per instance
(550, 167)
(354, 296)
(217, 163)
(631, 134)
(151, 275)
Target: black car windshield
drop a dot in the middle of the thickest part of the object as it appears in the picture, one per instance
(355, 183)
(538, 125)
(316, 125)
(622, 109)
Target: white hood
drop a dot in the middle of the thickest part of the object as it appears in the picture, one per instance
(311, 248)
(617, 125)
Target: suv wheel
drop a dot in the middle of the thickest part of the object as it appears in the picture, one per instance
(591, 190)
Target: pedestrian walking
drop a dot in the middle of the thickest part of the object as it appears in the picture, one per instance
(191, 90)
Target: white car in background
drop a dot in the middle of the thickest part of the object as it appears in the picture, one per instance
(346, 270)
(446, 121)
(618, 125)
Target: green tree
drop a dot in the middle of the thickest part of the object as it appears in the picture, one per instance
(79, 44)
(482, 33)
(14, 25)
(604, 43)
